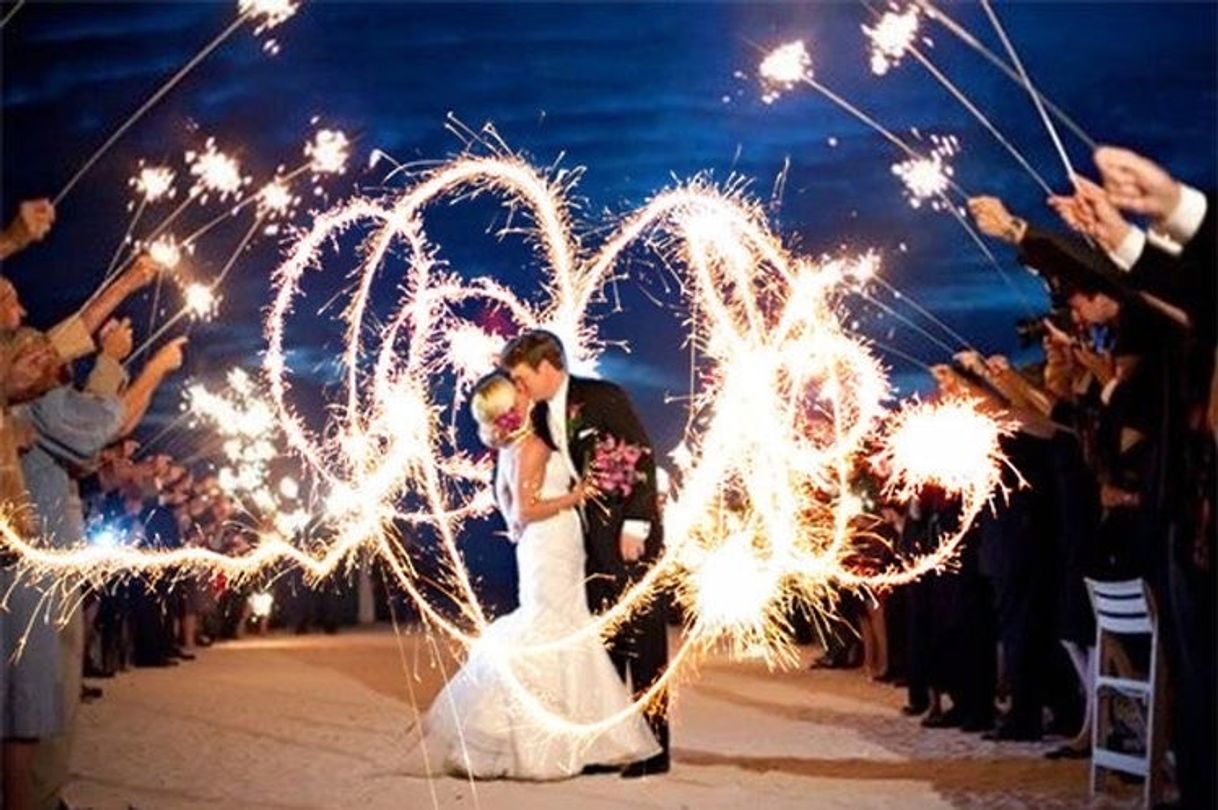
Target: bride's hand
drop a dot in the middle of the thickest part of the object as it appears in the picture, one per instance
(586, 490)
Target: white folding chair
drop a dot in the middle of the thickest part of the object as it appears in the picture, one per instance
(1125, 610)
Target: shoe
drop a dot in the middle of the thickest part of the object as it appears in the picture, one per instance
(89, 693)
(914, 709)
(1010, 733)
(1069, 752)
(178, 652)
(597, 768)
(647, 767)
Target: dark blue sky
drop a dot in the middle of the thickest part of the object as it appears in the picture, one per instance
(637, 93)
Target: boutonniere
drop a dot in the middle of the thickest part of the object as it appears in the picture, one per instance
(575, 420)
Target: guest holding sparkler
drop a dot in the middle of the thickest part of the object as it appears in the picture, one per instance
(32, 223)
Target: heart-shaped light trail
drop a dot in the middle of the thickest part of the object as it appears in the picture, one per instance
(762, 513)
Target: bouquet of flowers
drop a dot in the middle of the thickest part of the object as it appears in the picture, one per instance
(614, 466)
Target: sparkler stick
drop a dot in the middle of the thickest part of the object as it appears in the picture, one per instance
(12, 12)
(790, 64)
(893, 37)
(935, 13)
(147, 105)
(1027, 83)
(267, 13)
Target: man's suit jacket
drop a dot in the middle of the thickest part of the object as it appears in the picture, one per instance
(597, 409)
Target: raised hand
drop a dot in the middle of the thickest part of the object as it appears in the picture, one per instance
(1090, 212)
(1135, 183)
(32, 223)
(993, 219)
(116, 339)
(140, 274)
(169, 357)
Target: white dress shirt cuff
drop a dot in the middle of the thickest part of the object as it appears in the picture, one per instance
(1126, 254)
(637, 528)
(1184, 221)
(1163, 242)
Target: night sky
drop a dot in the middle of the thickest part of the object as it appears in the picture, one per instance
(636, 93)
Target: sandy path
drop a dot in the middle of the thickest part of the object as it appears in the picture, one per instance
(319, 722)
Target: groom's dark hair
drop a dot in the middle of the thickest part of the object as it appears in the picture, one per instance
(531, 348)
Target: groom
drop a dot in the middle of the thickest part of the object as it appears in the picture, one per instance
(622, 538)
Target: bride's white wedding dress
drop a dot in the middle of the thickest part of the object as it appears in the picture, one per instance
(508, 712)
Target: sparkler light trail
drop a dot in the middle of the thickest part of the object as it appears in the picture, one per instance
(787, 402)
(265, 13)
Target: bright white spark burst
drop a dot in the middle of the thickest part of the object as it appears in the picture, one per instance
(165, 251)
(783, 68)
(200, 300)
(215, 172)
(891, 38)
(929, 178)
(328, 152)
(276, 199)
(154, 183)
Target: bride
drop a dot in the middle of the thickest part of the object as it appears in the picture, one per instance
(512, 712)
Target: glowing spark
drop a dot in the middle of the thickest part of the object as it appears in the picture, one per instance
(200, 300)
(949, 444)
(215, 172)
(891, 38)
(261, 604)
(783, 68)
(328, 152)
(154, 183)
(928, 178)
(275, 199)
(166, 252)
(267, 13)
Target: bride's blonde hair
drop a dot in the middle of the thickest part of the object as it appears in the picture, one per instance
(493, 396)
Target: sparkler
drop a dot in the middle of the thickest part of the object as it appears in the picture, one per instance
(787, 400)
(790, 64)
(894, 36)
(266, 14)
(1027, 83)
(891, 38)
(12, 12)
(935, 13)
(928, 178)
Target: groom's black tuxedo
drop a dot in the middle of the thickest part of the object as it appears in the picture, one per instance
(596, 409)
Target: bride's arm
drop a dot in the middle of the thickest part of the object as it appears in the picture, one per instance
(527, 504)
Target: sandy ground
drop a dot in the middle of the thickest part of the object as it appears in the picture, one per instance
(319, 722)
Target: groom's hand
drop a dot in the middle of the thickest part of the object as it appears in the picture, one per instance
(632, 547)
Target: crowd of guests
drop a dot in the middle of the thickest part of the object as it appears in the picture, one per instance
(1111, 477)
(70, 476)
